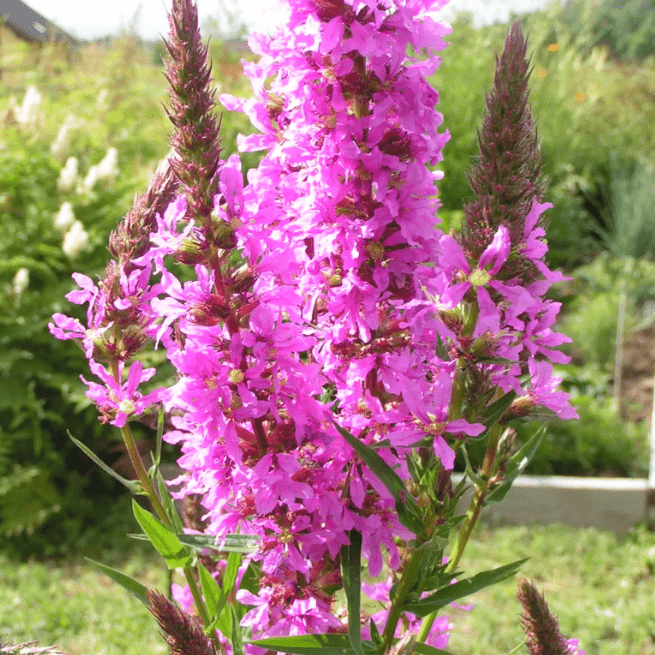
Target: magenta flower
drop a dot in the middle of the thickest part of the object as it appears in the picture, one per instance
(117, 401)
(454, 263)
(426, 417)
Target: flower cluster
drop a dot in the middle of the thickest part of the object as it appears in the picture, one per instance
(319, 293)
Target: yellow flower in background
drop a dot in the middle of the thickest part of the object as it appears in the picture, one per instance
(553, 47)
(579, 97)
(541, 72)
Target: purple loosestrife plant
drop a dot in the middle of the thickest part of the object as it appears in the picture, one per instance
(333, 349)
(541, 626)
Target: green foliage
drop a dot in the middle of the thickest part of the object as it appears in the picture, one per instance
(629, 212)
(599, 443)
(40, 391)
(592, 313)
(626, 27)
(585, 108)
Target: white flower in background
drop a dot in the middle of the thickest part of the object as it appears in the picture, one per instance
(64, 218)
(20, 281)
(89, 181)
(28, 112)
(60, 144)
(102, 98)
(68, 175)
(75, 240)
(108, 167)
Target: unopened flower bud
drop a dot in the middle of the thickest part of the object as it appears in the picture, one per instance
(190, 252)
(405, 646)
(451, 319)
(210, 312)
(103, 348)
(224, 235)
(274, 105)
(242, 281)
(521, 407)
(484, 346)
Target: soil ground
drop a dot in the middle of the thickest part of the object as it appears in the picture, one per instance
(638, 374)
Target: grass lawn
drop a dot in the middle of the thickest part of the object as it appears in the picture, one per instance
(602, 588)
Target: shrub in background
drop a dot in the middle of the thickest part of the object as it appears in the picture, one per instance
(588, 107)
(55, 198)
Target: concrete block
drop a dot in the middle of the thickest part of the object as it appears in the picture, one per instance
(615, 504)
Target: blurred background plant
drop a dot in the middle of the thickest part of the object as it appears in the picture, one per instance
(82, 134)
(75, 147)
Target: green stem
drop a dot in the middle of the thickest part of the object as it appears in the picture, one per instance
(470, 521)
(146, 483)
(142, 474)
(404, 587)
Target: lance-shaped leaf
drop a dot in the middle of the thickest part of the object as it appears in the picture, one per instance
(135, 588)
(494, 412)
(215, 598)
(167, 501)
(232, 543)
(328, 644)
(351, 574)
(229, 581)
(516, 466)
(406, 507)
(164, 540)
(134, 486)
(425, 649)
(466, 587)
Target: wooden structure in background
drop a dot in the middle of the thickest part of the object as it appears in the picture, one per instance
(27, 39)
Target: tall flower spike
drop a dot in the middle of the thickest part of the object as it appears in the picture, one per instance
(131, 239)
(540, 624)
(183, 633)
(506, 176)
(195, 140)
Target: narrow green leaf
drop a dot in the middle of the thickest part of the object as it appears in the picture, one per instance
(376, 638)
(425, 649)
(168, 503)
(494, 412)
(329, 644)
(231, 572)
(134, 486)
(351, 574)
(169, 546)
(229, 580)
(472, 475)
(236, 632)
(406, 508)
(134, 587)
(466, 587)
(517, 464)
(234, 543)
(210, 590)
